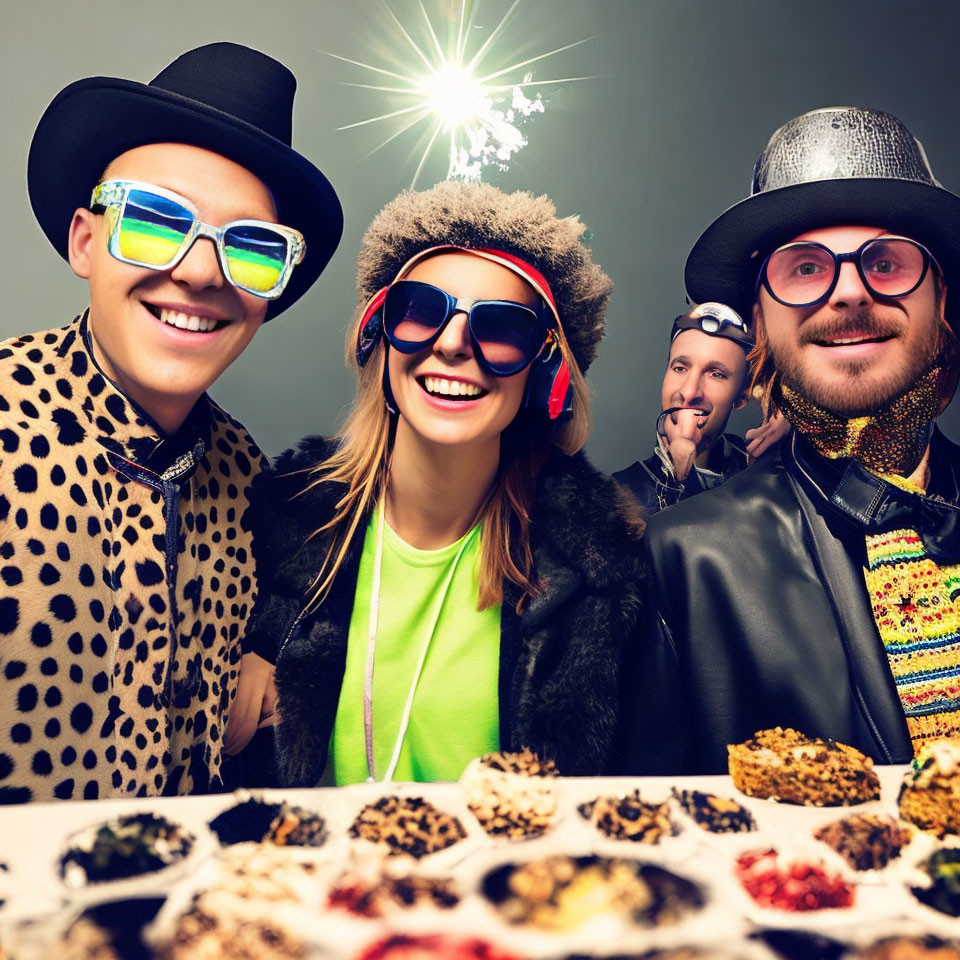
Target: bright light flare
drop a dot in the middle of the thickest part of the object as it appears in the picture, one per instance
(455, 95)
(479, 116)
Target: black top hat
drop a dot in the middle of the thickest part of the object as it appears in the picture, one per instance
(835, 166)
(225, 97)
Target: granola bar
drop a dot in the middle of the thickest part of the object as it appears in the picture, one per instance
(784, 764)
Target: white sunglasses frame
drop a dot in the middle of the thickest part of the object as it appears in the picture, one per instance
(115, 193)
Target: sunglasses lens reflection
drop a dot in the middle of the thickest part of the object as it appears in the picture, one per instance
(152, 228)
(413, 312)
(256, 257)
(509, 336)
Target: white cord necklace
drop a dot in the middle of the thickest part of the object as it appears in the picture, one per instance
(372, 628)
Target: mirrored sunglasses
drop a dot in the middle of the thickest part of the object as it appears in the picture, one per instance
(152, 227)
(506, 336)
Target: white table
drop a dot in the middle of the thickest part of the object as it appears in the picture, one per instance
(34, 836)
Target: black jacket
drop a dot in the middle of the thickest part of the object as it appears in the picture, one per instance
(655, 487)
(764, 614)
(561, 660)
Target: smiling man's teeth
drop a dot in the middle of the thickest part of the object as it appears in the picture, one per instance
(184, 321)
(451, 388)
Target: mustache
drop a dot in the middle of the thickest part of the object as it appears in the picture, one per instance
(863, 323)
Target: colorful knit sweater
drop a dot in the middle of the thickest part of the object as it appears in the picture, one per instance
(916, 606)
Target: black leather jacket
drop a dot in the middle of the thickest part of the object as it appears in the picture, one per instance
(655, 487)
(764, 614)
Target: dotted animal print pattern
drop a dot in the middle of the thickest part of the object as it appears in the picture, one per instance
(119, 648)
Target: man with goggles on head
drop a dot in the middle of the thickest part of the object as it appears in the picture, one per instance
(706, 379)
(128, 574)
(818, 589)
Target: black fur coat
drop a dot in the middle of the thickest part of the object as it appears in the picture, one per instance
(561, 660)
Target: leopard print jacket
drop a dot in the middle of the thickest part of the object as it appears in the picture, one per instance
(126, 579)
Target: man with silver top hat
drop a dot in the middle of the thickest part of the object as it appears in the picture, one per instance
(818, 589)
(127, 573)
(706, 379)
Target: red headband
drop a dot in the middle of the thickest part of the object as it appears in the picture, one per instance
(529, 272)
(512, 262)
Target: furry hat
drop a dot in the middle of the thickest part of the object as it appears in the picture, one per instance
(476, 215)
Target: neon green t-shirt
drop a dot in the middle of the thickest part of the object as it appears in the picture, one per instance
(455, 709)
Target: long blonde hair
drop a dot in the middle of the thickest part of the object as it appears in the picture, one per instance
(360, 460)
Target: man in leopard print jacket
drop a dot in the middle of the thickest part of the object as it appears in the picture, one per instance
(126, 569)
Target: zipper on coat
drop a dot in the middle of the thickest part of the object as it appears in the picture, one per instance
(289, 633)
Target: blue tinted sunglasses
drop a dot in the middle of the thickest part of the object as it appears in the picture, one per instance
(506, 336)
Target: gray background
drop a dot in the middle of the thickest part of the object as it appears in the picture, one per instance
(648, 153)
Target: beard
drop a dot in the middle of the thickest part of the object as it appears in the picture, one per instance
(857, 387)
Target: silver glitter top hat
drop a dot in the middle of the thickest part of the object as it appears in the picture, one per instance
(829, 167)
(841, 143)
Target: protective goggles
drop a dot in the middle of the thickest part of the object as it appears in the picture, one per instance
(716, 319)
(804, 274)
(153, 227)
(506, 336)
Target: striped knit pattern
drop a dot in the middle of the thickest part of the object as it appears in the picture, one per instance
(916, 606)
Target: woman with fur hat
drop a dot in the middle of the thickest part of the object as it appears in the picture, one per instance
(449, 575)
